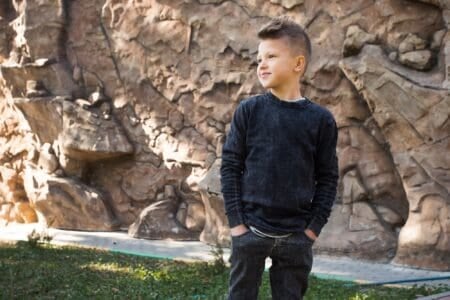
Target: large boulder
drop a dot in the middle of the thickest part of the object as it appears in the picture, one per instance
(414, 120)
(159, 220)
(419, 60)
(88, 136)
(66, 203)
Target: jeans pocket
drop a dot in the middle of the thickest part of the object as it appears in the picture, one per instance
(241, 241)
(241, 235)
(310, 240)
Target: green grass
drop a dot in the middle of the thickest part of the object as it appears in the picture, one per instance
(53, 272)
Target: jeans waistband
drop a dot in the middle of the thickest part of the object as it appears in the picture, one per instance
(269, 235)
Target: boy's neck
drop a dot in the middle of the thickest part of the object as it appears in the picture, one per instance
(288, 95)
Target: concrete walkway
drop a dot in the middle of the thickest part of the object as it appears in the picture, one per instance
(324, 266)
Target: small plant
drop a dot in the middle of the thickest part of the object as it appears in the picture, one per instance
(218, 263)
(35, 238)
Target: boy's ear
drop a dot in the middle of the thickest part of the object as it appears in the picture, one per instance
(300, 63)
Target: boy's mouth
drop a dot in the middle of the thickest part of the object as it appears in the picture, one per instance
(264, 74)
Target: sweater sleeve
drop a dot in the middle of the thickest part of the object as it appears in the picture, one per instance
(326, 175)
(231, 170)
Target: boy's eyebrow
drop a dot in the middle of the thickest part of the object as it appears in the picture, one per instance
(267, 53)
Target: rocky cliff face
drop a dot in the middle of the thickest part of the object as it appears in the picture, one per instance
(114, 114)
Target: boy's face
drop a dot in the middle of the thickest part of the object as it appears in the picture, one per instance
(278, 65)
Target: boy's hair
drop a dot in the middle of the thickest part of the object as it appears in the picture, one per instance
(284, 27)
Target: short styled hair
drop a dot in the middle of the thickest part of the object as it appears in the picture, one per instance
(284, 27)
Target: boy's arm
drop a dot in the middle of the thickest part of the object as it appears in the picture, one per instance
(326, 176)
(233, 158)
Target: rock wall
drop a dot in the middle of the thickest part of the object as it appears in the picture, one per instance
(114, 114)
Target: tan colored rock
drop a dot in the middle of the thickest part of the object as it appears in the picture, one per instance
(389, 216)
(393, 55)
(371, 174)
(428, 228)
(363, 218)
(191, 214)
(66, 203)
(418, 139)
(84, 135)
(11, 193)
(35, 88)
(438, 38)
(5, 213)
(326, 38)
(412, 42)
(216, 230)
(288, 4)
(43, 115)
(446, 51)
(87, 136)
(158, 221)
(72, 167)
(441, 3)
(16, 146)
(41, 39)
(186, 147)
(3, 38)
(143, 182)
(415, 125)
(353, 191)
(53, 76)
(47, 159)
(419, 60)
(133, 186)
(364, 238)
(370, 197)
(25, 212)
(355, 39)
(426, 184)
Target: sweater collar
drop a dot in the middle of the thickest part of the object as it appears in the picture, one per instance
(294, 104)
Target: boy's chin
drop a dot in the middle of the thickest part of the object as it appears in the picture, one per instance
(265, 85)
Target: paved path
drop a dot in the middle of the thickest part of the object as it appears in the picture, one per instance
(324, 266)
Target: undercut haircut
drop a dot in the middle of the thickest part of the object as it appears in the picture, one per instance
(284, 27)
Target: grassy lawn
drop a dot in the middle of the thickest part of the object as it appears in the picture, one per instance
(53, 272)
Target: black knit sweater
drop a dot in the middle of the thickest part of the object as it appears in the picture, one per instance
(279, 167)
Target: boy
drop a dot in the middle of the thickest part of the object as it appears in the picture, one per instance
(279, 171)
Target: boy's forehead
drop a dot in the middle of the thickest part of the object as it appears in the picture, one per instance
(268, 45)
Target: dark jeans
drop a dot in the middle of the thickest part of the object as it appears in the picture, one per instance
(291, 264)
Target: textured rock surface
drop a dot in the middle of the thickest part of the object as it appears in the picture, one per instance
(3, 30)
(43, 115)
(66, 203)
(88, 136)
(419, 142)
(159, 220)
(419, 60)
(171, 73)
(216, 229)
(355, 39)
